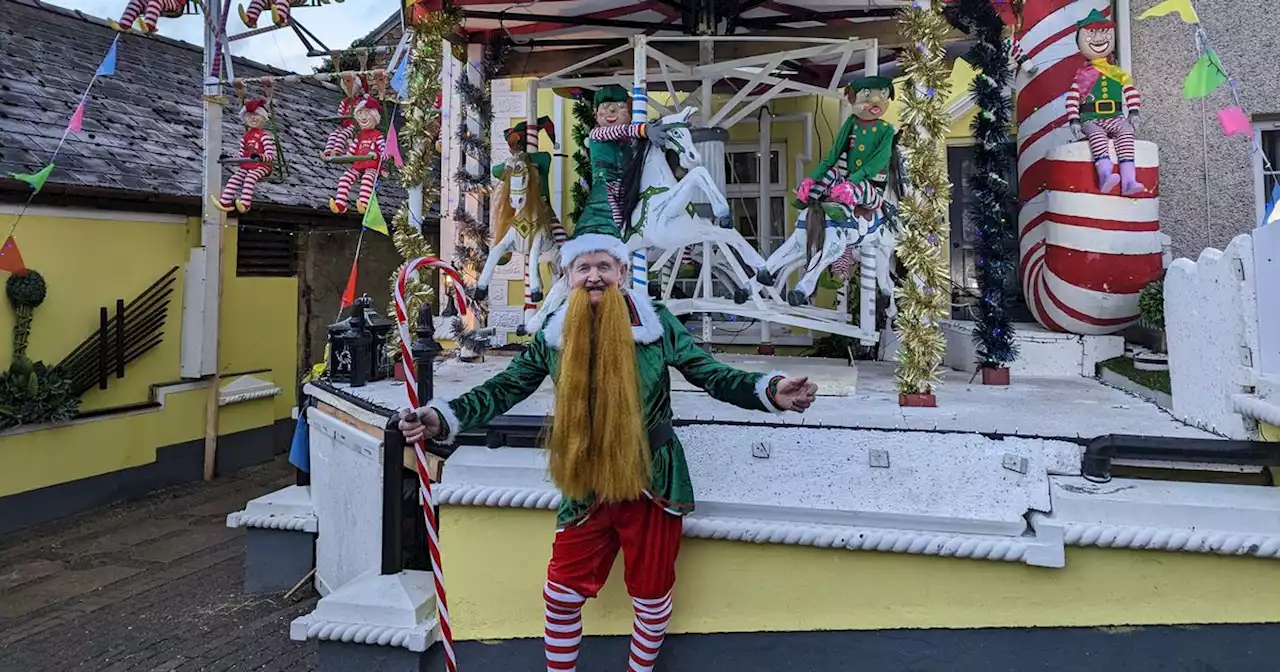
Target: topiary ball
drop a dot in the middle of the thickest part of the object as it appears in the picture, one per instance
(26, 290)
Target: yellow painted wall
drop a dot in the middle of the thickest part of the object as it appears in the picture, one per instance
(91, 262)
(496, 564)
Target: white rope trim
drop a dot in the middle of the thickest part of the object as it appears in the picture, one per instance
(1171, 539)
(292, 522)
(415, 639)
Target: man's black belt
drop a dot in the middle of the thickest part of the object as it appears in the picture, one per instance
(661, 434)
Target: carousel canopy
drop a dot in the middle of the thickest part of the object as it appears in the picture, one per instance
(552, 35)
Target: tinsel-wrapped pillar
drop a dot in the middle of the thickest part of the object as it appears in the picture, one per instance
(424, 59)
(923, 296)
(993, 210)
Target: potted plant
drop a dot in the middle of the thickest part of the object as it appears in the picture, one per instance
(1151, 305)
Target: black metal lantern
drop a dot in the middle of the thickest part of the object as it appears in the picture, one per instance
(383, 366)
(351, 356)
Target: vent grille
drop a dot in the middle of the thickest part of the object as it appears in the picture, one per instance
(267, 251)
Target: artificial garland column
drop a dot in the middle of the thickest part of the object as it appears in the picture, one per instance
(421, 126)
(584, 119)
(993, 209)
(923, 297)
(472, 248)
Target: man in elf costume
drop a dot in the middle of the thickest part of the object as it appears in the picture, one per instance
(258, 153)
(862, 151)
(1099, 96)
(541, 161)
(610, 148)
(611, 450)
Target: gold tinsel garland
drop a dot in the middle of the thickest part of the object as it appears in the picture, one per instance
(923, 297)
(422, 126)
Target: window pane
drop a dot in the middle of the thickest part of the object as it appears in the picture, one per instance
(775, 172)
(741, 168)
(1271, 149)
(745, 216)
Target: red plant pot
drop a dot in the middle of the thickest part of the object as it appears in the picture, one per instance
(765, 349)
(918, 400)
(400, 372)
(995, 375)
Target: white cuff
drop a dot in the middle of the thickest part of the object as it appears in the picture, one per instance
(762, 391)
(452, 424)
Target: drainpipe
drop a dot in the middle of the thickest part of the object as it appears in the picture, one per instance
(211, 239)
(1124, 30)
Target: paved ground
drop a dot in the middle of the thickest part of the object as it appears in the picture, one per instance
(152, 585)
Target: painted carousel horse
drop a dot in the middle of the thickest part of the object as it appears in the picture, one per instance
(522, 222)
(659, 203)
(857, 223)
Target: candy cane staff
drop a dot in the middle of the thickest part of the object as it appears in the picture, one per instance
(257, 154)
(424, 477)
(611, 451)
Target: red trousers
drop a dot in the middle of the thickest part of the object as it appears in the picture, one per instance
(648, 536)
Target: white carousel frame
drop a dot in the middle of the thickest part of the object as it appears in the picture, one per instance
(651, 62)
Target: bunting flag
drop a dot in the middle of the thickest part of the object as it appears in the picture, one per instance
(1273, 213)
(1234, 121)
(349, 294)
(393, 146)
(373, 218)
(1182, 7)
(108, 65)
(400, 79)
(35, 180)
(77, 119)
(1205, 76)
(11, 258)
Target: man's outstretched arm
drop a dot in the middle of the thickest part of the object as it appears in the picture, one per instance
(488, 400)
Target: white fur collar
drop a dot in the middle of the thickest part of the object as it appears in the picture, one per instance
(649, 331)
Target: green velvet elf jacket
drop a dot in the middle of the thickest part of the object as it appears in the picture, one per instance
(661, 342)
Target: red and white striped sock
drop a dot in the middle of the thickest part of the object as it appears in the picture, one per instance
(344, 185)
(564, 627)
(650, 629)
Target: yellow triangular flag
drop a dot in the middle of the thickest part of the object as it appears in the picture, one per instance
(1182, 7)
(373, 218)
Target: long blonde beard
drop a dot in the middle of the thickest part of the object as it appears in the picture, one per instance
(597, 443)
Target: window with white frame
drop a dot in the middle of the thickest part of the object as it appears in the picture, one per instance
(742, 190)
(1266, 164)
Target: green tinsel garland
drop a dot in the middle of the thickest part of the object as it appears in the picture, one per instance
(923, 296)
(584, 119)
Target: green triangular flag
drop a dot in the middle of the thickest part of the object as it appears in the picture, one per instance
(373, 216)
(1205, 76)
(36, 180)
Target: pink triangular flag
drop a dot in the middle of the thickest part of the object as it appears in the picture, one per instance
(393, 146)
(1234, 121)
(77, 119)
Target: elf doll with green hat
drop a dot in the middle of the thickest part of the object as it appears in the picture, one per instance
(1101, 93)
(610, 148)
(862, 151)
(541, 161)
(611, 449)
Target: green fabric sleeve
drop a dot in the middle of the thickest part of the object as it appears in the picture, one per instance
(497, 395)
(840, 146)
(744, 389)
(499, 169)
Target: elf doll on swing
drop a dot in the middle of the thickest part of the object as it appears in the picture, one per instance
(1097, 102)
(367, 148)
(257, 157)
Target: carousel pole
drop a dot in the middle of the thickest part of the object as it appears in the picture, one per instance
(639, 114)
(530, 146)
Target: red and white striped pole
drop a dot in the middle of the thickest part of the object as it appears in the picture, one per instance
(424, 476)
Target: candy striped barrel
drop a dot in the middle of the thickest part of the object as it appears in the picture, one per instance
(1082, 253)
(1099, 250)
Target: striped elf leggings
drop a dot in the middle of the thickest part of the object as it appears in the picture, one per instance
(150, 10)
(241, 186)
(581, 558)
(1117, 129)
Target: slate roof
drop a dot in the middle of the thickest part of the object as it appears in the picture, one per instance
(141, 133)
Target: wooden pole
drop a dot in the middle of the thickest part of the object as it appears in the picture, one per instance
(211, 222)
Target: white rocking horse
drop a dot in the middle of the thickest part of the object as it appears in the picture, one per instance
(522, 221)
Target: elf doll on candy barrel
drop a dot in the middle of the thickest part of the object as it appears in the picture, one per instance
(1100, 95)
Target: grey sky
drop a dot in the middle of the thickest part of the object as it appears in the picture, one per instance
(336, 24)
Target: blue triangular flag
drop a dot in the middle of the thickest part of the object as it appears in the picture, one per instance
(300, 448)
(1272, 216)
(400, 79)
(108, 66)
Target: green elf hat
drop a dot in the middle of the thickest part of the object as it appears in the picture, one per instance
(587, 239)
(610, 94)
(875, 82)
(1095, 21)
(516, 133)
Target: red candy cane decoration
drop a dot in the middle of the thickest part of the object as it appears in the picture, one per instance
(424, 477)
